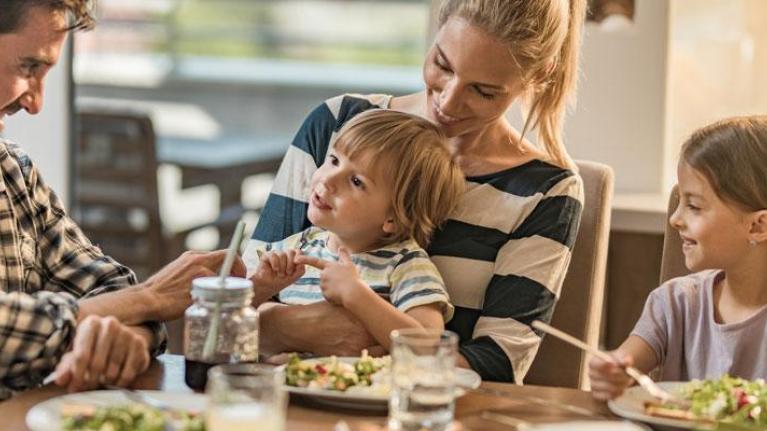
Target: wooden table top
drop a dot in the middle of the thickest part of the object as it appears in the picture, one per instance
(492, 407)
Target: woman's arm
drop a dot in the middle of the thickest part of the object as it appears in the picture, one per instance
(527, 273)
(321, 328)
(285, 211)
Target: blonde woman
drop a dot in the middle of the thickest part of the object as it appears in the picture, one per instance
(505, 249)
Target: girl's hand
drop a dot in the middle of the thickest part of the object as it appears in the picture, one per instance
(609, 379)
(339, 281)
(277, 270)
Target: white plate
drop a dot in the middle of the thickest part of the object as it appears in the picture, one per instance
(465, 379)
(46, 416)
(589, 426)
(630, 405)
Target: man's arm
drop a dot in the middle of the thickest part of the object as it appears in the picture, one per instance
(164, 296)
(35, 331)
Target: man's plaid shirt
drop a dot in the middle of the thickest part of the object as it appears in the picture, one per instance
(46, 265)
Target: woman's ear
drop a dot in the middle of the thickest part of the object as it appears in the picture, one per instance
(758, 232)
(541, 79)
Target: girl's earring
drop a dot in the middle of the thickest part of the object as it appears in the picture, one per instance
(752, 242)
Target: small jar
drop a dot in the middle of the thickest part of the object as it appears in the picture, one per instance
(237, 335)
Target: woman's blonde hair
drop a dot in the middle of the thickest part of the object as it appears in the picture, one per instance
(413, 156)
(732, 155)
(544, 39)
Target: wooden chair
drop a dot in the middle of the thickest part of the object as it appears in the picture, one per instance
(579, 310)
(115, 188)
(672, 263)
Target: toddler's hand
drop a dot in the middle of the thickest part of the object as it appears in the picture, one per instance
(609, 379)
(277, 270)
(338, 280)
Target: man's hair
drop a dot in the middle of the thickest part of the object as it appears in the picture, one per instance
(79, 13)
(412, 154)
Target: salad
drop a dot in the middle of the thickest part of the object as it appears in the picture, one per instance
(728, 401)
(366, 374)
(129, 417)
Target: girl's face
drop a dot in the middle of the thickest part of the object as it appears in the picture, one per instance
(471, 79)
(715, 234)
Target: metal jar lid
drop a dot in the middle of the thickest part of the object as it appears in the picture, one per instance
(235, 289)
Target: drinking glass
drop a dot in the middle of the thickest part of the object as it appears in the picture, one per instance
(423, 380)
(245, 397)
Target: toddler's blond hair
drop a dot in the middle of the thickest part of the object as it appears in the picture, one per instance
(412, 154)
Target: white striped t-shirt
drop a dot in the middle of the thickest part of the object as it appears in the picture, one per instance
(401, 273)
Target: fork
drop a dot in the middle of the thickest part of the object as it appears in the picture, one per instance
(141, 398)
(643, 379)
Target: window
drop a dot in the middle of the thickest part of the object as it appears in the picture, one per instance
(229, 81)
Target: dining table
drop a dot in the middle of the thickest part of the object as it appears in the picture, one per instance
(492, 406)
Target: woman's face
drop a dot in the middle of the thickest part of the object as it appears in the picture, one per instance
(471, 78)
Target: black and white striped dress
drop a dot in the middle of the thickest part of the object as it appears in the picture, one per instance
(503, 254)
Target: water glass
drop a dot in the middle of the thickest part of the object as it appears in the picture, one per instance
(423, 380)
(245, 397)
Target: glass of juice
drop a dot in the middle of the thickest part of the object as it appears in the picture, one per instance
(245, 397)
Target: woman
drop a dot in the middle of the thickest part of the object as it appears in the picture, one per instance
(505, 250)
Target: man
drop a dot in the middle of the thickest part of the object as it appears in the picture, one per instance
(61, 300)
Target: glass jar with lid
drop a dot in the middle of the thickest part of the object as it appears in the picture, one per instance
(237, 334)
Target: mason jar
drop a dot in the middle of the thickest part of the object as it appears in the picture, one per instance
(237, 334)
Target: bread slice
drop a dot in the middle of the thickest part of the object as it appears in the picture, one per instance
(664, 411)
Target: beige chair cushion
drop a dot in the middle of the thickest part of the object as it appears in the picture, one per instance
(579, 310)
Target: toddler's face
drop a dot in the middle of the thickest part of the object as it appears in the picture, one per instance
(351, 199)
(714, 233)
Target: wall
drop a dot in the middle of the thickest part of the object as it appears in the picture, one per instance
(620, 116)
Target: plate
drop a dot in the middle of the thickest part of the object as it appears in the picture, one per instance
(466, 379)
(589, 426)
(46, 415)
(630, 405)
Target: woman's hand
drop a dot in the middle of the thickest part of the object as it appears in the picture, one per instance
(104, 351)
(321, 328)
(339, 281)
(277, 270)
(609, 379)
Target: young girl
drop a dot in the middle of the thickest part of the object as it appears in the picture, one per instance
(385, 185)
(714, 321)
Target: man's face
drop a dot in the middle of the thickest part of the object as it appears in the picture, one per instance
(26, 56)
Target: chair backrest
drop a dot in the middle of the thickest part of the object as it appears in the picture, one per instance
(672, 263)
(115, 188)
(579, 309)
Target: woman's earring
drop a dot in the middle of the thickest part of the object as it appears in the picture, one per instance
(752, 242)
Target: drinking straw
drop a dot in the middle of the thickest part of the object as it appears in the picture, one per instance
(212, 335)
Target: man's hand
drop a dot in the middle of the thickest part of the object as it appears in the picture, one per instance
(169, 289)
(340, 280)
(164, 296)
(104, 351)
(276, 271)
